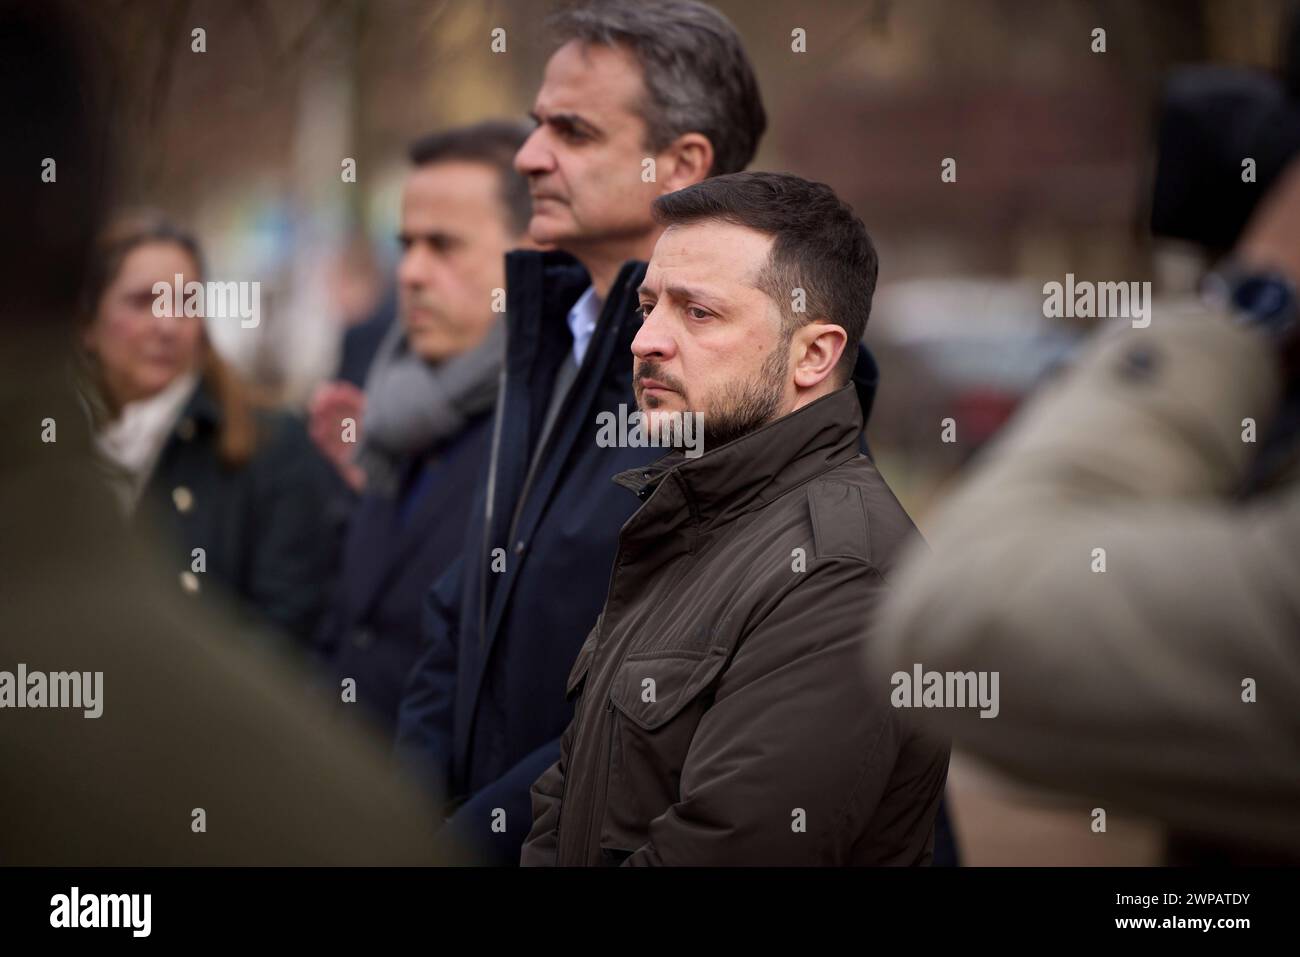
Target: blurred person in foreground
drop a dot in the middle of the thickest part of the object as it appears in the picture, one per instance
(1168, 682)
(230, 487)
(721, 717)
(427, 406)
(189, 720)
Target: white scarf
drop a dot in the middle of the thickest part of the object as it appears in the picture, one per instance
(133, 441)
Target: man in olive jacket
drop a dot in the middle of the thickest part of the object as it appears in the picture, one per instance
(722, 717)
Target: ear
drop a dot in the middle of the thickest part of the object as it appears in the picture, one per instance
(685, 161)
(817, 347)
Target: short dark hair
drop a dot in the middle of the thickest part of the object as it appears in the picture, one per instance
(696, 74)
(819, 245)
(493, 143)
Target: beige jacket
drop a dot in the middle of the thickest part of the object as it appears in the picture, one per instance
(1127, 685)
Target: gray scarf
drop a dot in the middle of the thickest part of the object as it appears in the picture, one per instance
(412, 404)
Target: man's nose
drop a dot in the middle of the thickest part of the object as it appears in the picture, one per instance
(654, 338)
(535, 156)
(413, 269)
(165, 325)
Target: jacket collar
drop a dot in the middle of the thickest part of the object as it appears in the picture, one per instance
(748, 473)
(203, 407)
(541, 288)
(866, 379)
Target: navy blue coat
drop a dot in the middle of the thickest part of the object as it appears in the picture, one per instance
(485, 707)
(266, 528)
(394, 547)
(361, 342)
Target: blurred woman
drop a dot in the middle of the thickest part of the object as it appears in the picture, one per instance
(232, 490)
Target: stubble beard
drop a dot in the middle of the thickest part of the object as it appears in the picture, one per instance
(743, 406)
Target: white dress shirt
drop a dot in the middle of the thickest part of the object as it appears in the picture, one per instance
(582, 321)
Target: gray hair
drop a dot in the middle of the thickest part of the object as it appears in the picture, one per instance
(696, 74)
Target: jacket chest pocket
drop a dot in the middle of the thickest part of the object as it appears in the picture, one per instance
(658, 699)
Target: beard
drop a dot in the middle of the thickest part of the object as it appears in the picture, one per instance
(742, 406)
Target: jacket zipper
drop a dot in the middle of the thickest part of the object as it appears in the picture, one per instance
(490, 504)
(602, 782)
(577, 723)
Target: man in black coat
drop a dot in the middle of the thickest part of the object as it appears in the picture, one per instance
(426, 414)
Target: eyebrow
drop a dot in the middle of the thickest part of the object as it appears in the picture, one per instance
(678, 291)
(432, 236)
(571, 120)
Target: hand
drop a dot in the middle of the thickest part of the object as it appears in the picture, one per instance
(1272, 242)
(330, 405)
(1272, 237)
